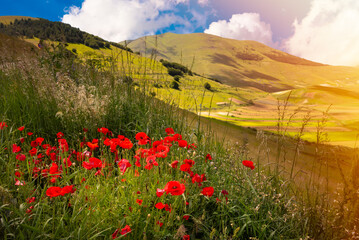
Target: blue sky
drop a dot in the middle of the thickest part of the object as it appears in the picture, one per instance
(49, 9)
(318, 30)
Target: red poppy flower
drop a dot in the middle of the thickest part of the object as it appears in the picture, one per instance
(185, 167)
(168, 208)
(18, 174)
(139, 201)
(30, 133)
(174, 164)
(208, 157)
(189, 162)
(21, 157)
(18, 182)
(248, 164)
(159, 223)
(54, 170)
(125, 230)
(46, 146)
(186, 237)
(208, 191)
(21, 128)
(123, 165)
(53, 191)
(159, 192)
(16, 148)
(169, 131)
(159, 205)
(103, 130)
(39, 140)
(22, 140)
(167, 141)
(67, 162)
(174, 188)
(182, 143)
(30, 200)
(92, 146)
(92, 163)
(151, 161)
(33, 151)
(126, 144)
(2, 125)
(67, 189)
(114, 235)
(34, 144)
(142, 138)
(162, 151)
(186, 217)
(192, 146)
(137, 163)
(224, 192)
(28, 211)
(85, 130)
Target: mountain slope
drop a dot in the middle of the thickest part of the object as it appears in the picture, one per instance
(243, 63)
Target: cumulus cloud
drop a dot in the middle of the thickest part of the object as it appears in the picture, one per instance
(118, 20)
(245, 26)
(329, 33)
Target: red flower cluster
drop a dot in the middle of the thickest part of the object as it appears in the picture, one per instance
(57, 191)
(54, 163)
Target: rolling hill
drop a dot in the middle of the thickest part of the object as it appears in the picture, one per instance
(243, 63)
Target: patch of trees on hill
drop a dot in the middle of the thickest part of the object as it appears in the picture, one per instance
(55, 31)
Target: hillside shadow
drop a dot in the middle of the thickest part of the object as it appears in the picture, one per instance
(225, 60)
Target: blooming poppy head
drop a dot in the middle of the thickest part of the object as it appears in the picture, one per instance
(207, 191)
(182, 143)
(248, 164)
(170, 131)
(53, 192)
(142, 138)
(174, 188)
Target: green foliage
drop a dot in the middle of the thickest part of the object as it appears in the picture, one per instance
(157, 85)
(177, 78)
(174, 85)
(207, 86)
(174, 72)
(175, 66)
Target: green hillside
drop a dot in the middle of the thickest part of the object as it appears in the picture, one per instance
(266, 75)
(243, 63)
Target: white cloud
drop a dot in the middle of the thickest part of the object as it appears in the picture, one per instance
(329, 33)
(245, 26)
(118, 20)
(203, 2)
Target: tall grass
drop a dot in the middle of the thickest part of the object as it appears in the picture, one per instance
(56, 92)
